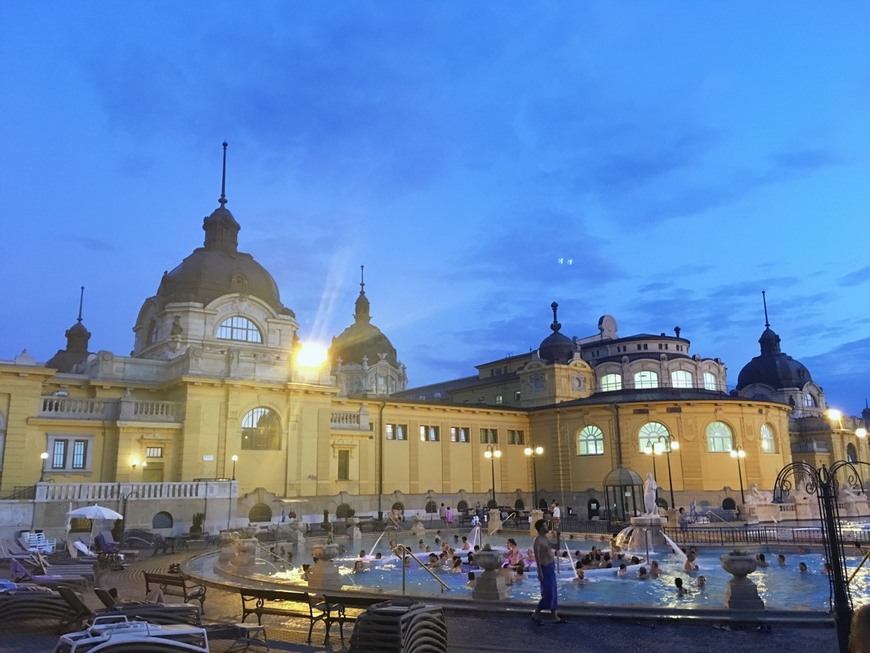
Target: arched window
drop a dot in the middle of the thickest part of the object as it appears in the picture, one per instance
(162, 519)
(809, 401)
(719, 438)
(611, 382)
(681, 379)
(590, 441)
(649, 435)
(851, 453)
(646, 379)
(152, 332)
(239, 328)
(710, 382)
(768, 440)
(260, 513)
(261, 429)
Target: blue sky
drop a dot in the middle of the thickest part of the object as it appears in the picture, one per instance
(682, 156)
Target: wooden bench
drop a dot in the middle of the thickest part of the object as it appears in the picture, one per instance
(176, 585)
(284, 603)
(338, 605)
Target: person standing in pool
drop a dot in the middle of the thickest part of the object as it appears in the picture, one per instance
(546, 566)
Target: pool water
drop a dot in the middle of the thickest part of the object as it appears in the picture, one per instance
(779, 586)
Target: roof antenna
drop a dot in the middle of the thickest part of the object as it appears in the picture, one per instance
(81, 300)
(362, 280)
(223, 199)
(764, 299)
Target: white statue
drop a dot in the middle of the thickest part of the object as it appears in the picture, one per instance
(757, 496)
(649, 495)
(846, 494)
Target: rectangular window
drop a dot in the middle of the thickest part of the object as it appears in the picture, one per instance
(499, 399)
(154, 452)
(489, 436)
(395, 431)
(429, 433)
(70, 453)
(516, 437)
(79, 454)
(343, 465)
(459, 434)
(58, 454)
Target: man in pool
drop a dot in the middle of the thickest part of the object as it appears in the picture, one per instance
(546, 566)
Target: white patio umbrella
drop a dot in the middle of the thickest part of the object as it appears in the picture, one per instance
(94, 512)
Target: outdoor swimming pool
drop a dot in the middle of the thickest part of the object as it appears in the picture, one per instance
(780, 586)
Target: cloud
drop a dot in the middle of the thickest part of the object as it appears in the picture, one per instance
(857, 277)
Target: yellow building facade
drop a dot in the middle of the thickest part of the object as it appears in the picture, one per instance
(213, 396)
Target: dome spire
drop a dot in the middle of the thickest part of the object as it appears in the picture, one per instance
(362, 306)
(555, 326)
(764, 301)
(221, 228)
(81, 301)
(769, 341)
(223, 198)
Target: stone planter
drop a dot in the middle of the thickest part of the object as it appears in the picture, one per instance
(491, 585)
(741, 593)
(739, 566)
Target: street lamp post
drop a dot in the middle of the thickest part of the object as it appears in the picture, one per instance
(738, 454)
(492, 452)
(533, 454)
(42, 458)
(668, 443)
(235, 459)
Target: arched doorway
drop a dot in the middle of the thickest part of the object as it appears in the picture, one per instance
(260, 513)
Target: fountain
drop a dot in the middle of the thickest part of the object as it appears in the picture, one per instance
(491, 585)
(324, 573)
(741, 593)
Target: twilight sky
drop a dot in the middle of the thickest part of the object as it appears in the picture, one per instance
(660, 162)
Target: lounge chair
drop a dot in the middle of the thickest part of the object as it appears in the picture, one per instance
(27, 603)
(20, 574)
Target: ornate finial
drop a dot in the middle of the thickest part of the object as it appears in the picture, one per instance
(81, 300)
(555, 326)
(362, 280)
(764, 300)
(223, 199)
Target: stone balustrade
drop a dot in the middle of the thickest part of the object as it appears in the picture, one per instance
(104, 492)
(125, 408)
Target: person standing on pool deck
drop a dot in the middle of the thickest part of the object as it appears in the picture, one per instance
(546, 565)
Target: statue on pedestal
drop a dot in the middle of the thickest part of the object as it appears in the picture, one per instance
(649, 495)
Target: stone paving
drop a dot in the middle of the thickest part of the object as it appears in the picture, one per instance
(468, 630)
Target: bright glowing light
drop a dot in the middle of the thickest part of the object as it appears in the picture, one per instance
(674, 445)
(861, 432)
(834, 414)
(311, 354)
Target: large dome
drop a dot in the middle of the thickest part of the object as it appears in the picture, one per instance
(362, 339)
(218, 269)
(557, 347)
(772, 367)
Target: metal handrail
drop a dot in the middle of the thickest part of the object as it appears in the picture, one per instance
(407, 552)
(512, 515)
(710, 513)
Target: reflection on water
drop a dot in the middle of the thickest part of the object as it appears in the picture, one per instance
(780, 586)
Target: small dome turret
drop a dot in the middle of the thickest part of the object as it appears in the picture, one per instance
(557, 347)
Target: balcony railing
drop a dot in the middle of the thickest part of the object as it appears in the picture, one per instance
(350, 421)
(106, 492)
(125, 409)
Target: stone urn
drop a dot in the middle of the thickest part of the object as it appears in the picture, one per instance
(491, 585)
(741, 593)
(246, 554)
(228, 546)
(739, 565)
(324, 573)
